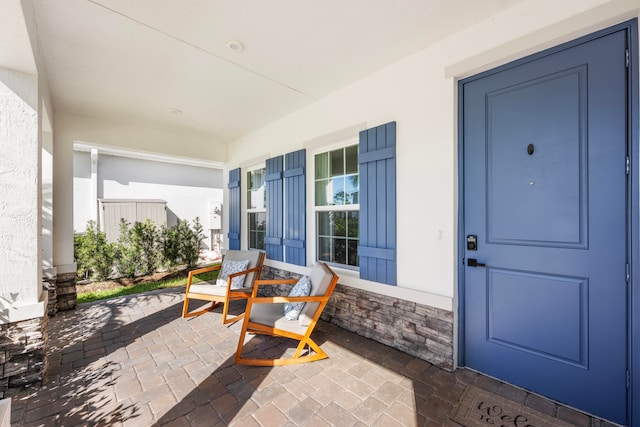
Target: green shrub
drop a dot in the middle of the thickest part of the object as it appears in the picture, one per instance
(94, 255)
(170, 247)
(140, 249)
(190, 241)
(137, 249)
(128, 259)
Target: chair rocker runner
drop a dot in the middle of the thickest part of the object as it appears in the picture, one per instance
(265, 315)
(244, 267)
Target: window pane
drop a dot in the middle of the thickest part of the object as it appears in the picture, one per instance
(353, 252)
(322, 165)
(324, 224)
(352, 224)
(337, 191)
(322, 189)
(340, 251)
(352, 190)
(337, 162)
(256, 190)
(324, 249)
(339, 220)
(261, 221)
(351, 159)
(257, 230)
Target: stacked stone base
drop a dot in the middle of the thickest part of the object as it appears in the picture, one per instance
(49, 286)
(22, 355)
(419, 330)
(66, 291)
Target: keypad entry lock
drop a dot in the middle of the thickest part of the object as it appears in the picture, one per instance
(472, 242)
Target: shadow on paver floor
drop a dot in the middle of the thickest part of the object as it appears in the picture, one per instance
(134, 361)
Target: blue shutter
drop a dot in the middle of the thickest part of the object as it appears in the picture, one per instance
(296, 209)
(273, 181)
(377, 160)
(235, 217)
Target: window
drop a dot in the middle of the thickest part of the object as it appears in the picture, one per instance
(256, 208)
(337, 206)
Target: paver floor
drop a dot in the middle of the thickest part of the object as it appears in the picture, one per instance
(133, 361)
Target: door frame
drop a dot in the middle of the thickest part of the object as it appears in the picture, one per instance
(633, 210)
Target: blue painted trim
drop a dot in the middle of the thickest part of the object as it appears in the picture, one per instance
(300, 244)
(273, 176)
(378, 253)
(235, 214)
(378, 217)
(273, 241)
(294, 172)
(374, 156)
(275, 208)
(634, 250)
(634, 197)
(296, 207)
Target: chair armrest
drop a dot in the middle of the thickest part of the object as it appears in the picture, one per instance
(242, 273)
(272, 282)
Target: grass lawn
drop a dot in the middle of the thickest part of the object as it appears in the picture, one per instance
(115, 290)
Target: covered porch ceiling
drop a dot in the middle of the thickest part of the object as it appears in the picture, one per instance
(168, 64)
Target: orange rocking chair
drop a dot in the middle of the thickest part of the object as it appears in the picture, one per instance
(238, 273)
(266, 315)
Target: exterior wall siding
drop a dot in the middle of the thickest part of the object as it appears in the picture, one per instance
(416, 329)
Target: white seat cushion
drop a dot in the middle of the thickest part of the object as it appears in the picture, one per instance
(271, 315)
(208, 288)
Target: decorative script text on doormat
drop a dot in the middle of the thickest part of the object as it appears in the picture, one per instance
(479, 408)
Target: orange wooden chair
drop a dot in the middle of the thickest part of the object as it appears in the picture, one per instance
(245, 267)
(265, 315)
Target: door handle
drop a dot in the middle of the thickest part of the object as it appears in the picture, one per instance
(472, 262)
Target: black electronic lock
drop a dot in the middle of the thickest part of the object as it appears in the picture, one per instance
(472, 242)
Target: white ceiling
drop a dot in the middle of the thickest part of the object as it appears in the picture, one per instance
(135, 61)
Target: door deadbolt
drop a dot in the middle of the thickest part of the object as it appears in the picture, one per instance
(472, 242)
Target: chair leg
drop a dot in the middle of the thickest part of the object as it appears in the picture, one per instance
(186, 313)
(226, 320)
(225, 314)
(296, 359)
(243, 333)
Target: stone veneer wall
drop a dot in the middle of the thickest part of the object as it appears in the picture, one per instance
(22, 354)
(49, 286)
(419, 330)
(66, 291)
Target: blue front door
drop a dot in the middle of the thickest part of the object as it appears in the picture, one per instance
(545, 199)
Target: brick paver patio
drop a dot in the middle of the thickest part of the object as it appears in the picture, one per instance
(133, 361)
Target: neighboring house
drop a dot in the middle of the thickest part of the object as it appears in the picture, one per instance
(490, 219)
(191, 188)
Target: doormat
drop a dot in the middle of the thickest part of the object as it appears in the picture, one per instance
(480, 408)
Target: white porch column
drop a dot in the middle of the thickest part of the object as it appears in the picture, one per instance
(47, 204)
(94, 184)
(20, 199)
